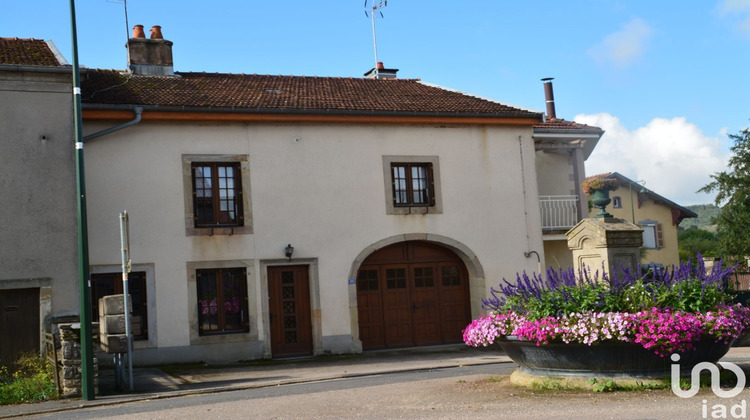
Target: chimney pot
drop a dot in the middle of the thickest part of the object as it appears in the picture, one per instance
(138, 31)
(549, 96)
(380, 65)
(156, 32)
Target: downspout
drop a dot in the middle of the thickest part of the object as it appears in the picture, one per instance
(138, 112)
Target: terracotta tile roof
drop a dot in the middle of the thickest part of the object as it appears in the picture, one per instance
(287, 93)
(560, 124)
(27, 52)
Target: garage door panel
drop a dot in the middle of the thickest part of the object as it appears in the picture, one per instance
(420, 287)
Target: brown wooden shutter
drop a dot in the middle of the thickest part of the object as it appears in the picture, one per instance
(659, 236)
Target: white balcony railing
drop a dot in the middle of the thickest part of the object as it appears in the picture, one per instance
(558, 211)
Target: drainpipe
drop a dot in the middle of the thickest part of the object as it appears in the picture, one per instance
(138, 112)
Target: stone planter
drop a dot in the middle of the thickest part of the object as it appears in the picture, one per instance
(608, 359)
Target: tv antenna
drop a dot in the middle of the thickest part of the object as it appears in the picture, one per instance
(375, 6)
(127, 24)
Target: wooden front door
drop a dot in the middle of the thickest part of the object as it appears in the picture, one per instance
(19, 323)
(289, 311)
(412, 294)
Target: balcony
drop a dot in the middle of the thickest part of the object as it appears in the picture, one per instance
(559, 212)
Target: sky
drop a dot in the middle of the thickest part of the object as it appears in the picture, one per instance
(666, 79)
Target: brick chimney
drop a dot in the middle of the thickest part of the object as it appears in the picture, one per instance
(150, 57)
(380, 72)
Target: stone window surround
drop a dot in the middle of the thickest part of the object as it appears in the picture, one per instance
(437, 208)
(195, 338)
(187, 186)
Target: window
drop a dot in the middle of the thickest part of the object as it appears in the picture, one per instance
(217, 194)
(617, 202)
(412, 184)
(106, 284)
(222, 301)
(653, 236)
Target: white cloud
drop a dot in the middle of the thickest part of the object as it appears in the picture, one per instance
(674, 157)
(623, 47)
(740, 10)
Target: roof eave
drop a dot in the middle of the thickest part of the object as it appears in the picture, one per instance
(109, 111)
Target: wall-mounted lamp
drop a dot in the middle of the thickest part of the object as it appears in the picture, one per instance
(288, 251)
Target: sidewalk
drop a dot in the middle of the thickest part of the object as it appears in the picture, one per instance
(172, 381)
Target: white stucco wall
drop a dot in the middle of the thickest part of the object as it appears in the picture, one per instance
(319, 187)
(555, 173)
(38, 239)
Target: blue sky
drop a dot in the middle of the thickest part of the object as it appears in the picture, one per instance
(666, 79)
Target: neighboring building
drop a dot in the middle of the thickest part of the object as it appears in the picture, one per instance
(38, 239)
(659, 218)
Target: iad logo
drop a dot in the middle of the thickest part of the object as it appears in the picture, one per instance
(718, 411)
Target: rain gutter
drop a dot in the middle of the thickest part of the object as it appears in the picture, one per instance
(138, 111)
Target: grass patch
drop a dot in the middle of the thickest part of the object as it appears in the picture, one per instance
(33, 380)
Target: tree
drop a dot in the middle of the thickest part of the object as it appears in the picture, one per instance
(694, 241)
(732, 188)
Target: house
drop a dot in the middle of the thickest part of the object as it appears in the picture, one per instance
(285, 216)
(658, 216)
(561, 147)
(38, 240)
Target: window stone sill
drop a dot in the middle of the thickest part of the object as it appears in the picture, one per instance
(226, 231)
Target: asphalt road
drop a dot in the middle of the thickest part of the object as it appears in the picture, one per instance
(455, 393)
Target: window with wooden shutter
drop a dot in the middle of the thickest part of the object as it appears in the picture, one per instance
(413, 184)
(659, 235)
(222, 301)
(217, 194)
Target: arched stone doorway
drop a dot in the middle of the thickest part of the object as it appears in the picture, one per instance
(412, 293)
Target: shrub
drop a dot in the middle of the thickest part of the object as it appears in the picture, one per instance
(32, 381)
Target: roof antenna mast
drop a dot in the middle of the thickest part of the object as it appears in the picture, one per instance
(127, 25)
(375, 5)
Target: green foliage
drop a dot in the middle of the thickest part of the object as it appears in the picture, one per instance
(690, 295)
(697, 241)
(32, 381)
(603, 385)
(608, 385)
(732, 188)
(566, 299)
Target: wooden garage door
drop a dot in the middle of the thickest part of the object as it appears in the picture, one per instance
(412, 294)
(19, 323)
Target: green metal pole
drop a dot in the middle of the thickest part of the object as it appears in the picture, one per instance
(84, 283)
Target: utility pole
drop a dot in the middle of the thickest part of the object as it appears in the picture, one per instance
(84, 282)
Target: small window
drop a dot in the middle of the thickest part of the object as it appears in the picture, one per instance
(617, 202)
(222, 301)
(653, 235)
(412, 184)
(217, 194)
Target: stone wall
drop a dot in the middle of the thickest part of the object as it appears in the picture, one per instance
(70, 358)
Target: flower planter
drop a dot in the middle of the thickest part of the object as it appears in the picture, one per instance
(606, 359)
(600, 200)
